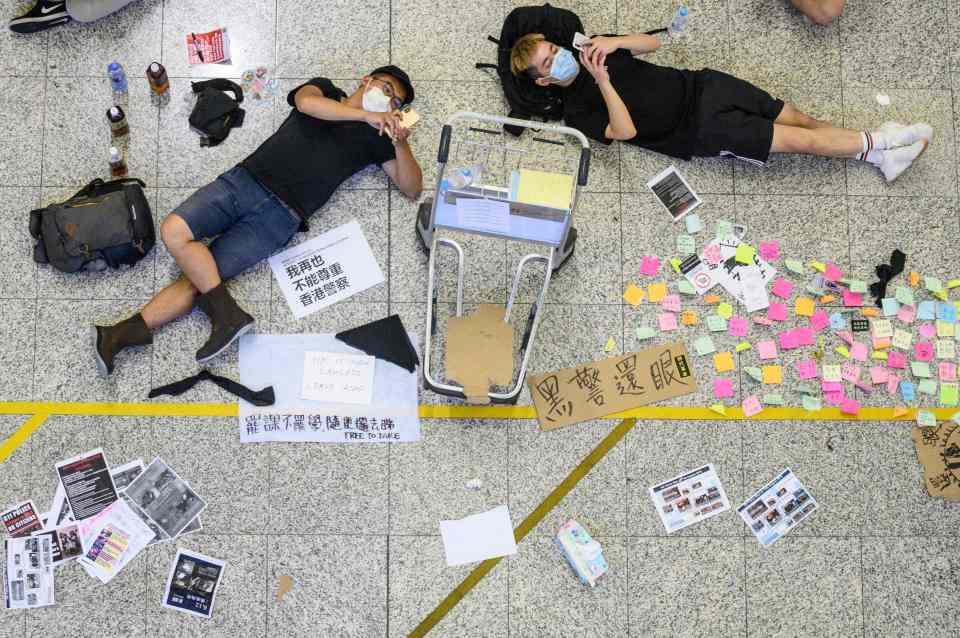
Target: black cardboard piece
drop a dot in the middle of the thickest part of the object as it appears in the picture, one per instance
(385, 339)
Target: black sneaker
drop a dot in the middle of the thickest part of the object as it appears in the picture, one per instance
(42, 16)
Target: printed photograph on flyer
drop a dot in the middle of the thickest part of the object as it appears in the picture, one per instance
(166, 498)
(777, 508)
(689, 498)
(192, 583)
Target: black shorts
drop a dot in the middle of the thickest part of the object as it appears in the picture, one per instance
(734, 118)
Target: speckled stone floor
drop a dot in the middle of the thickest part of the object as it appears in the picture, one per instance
(356, 527)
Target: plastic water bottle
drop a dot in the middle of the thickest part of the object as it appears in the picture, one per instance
(462, 177)
(679, 22)
(118, 82)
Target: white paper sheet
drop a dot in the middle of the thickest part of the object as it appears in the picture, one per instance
(326, 269)
(337, 377)
(689, 498)
(484, 215)
(777, 507)
(27, 573)
(478, 537)
(111, 539)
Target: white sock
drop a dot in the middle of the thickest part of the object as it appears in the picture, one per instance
(868, 143)
(873, 157)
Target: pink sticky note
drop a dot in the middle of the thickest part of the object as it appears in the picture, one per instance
(850, 406)
(878, 374)
(832, 273)
(649, 265)
(864, 386)
(907, 314)
(671, 303)
(751, 405)
(819, 320)
(852, 299)
(948, 371)
(831, 386)
(928, 330)
(667, 321)
(767, 349)
(770, 250)
(722, 388)
(923, 351)
(782, 288)
(834, 398)
(788, 340)
(850, 372)
(859, 351)
(737, 327)
(712, 254)
(892, 382)
(807, 369)
(777, 311)
(896, 360)
(846, 335)
(804, 336)
(763, 321)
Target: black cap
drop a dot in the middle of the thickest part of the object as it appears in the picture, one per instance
(400, 75)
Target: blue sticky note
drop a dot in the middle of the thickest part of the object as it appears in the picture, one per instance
(838, 322)
(907, 390)
(947, 312)
(890, 307)
(925, 311)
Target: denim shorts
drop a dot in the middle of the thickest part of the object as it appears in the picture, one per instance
(248, 222)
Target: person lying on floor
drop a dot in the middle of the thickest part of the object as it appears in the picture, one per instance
(254, 209)
(703, 113)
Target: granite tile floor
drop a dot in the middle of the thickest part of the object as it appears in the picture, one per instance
(356, 527)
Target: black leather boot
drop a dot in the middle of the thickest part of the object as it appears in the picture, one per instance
(110, 340)
(228, 320)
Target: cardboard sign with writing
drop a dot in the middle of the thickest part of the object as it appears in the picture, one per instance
(938, 450)
(596, 389)
(480, 352)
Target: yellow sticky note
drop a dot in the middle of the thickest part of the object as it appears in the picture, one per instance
(689, 318)
(725, 310)
(843, 351)
(719, 408)
(899, 411)
(819, 266)
(711, 299)
(869, 312)
(953, 283)
(879, 355)
(544, 189)
(942, 295)
(745, 253)
(914, 278)
(610, 345)
(804, 306)
(827, 299)
(634, 295)
(772, 375)
(743, 345)
(656, 292)
(723, 361)
(675, 263)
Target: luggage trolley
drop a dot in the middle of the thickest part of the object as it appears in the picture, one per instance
(501, 160)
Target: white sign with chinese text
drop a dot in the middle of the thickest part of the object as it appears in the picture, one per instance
(337, 377)
(326, 269)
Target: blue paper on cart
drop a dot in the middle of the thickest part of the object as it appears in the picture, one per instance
(582, 552)
(389, 414)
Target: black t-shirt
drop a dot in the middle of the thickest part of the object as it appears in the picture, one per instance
(661, 101)
(305, 161)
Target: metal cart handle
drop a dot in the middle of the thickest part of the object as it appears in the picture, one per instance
(511, 121)
(584, 166)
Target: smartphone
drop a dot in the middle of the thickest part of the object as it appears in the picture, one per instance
(579, 40)
(408, 117)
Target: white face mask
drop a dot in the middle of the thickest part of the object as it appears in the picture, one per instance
(375, 100)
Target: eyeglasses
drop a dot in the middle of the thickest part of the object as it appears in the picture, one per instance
(395, 102)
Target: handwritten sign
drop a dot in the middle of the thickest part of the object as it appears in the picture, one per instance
(337, 377)
(599, 388)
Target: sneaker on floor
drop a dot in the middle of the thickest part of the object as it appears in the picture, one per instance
(896, 160)
(900, 135)
(42, 16)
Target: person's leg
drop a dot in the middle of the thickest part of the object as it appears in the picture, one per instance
(90, 10)
(792, 116)
(172, 302)
(41, 16)
(194, 258)
(821, 12)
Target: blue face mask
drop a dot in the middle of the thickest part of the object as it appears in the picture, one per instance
(564, 66)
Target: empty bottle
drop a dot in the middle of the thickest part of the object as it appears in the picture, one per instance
(118, 122)
(159, 84)
(118, 82)
(118, 166)
(679, 22)
(462, 177)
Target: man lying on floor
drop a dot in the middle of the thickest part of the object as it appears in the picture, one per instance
(253, 209)
(702, 113)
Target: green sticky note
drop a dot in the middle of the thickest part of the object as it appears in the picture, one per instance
(794, 266)
(927, 386)
(904, 295)
(704, 345)
(675, 264)
(724, 229)
(856, 285)
(686, 245)
(812, 403)
(933, 284)
(814, 289)
(920, 368)
(773, 399)
(843, 351)
(949, 395)
(743, 345)
(755, 373)
(926, 418)
(808, 388)
(645, 332)
(684, 287)
(745, 253)
(716, 323)
(725, 310)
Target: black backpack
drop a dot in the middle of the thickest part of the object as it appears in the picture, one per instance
(104, 224)
(215, 112)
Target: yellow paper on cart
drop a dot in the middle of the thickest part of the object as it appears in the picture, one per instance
(540, 188)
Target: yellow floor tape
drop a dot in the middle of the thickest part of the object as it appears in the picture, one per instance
(21, 434)
(530, 522)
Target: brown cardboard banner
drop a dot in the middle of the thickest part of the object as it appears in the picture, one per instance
(938, 450)
(594, 390)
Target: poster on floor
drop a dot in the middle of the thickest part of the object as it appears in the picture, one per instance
(777, 507)
(22, 519)
(192, 583)
(27, 573)
(169, 501)
(110, 540)
(87, 484)
(689, 498)
(64, 542)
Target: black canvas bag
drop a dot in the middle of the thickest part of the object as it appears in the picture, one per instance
(106, 224)
(216, 113)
